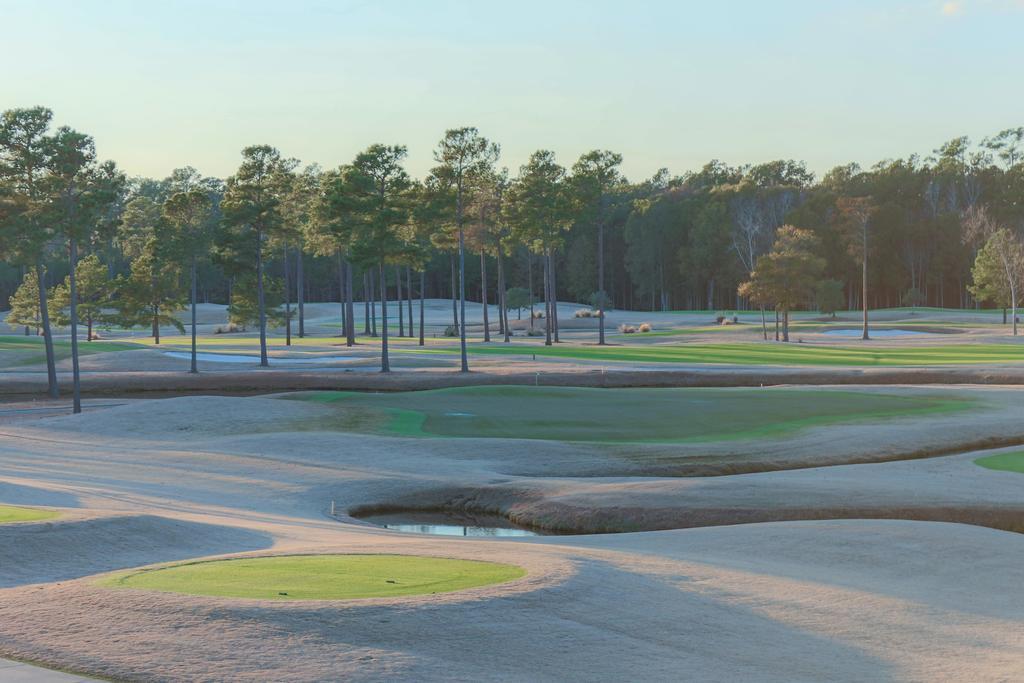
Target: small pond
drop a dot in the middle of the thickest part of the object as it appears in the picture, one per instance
(878, 334)
(241, 358)
(450, 524)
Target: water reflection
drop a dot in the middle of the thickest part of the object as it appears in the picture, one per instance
(450, 524)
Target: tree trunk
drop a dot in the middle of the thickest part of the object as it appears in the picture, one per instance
(408, 298)
(385, 363)
(156, 323)
(423, 287)
(287, 301)
(554, 296)
(864, 281)
(76, 379)
(1013, 305)
(194, 369)
(483, 296)
(785, 324)
(502, 302)
(398, 298)
(366, 302)
(342, 299)
(455, 301)
(300, 286)
(44, 317)
(600, 283)
(764, 324)
(529, 267)
(261, 301)
(462, 296)
(350, 306)
(373, 305)
(547, 299)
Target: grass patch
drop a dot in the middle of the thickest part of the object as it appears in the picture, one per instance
(318, 577)
(10, 513)
(17, 350)
(616, 415)
(768, 354)
(1008, 462)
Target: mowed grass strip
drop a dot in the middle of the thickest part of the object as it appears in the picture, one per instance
(16, 350)
(617, 415)
(759, 353)
(319, 577)
(11, 513)
(1008, 462)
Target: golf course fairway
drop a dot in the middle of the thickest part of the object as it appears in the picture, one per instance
(9, 513)
(319, 577)
(616, 415)
(755, 353)
(1008, 462)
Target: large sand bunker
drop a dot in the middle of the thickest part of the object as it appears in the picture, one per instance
(801, 600)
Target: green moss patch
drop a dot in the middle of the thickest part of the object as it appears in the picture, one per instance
(319, 577)
(615, 415)
(10, 513)
(1009, 462)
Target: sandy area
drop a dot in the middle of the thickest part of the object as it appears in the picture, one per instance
(846, 600)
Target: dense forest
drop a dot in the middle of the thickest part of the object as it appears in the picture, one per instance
(664, 243)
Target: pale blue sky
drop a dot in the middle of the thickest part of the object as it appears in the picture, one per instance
(674, 84)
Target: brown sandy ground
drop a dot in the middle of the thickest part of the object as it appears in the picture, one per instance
(845, 600)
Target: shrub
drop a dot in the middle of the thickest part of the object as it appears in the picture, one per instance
(538, 314)
(829, 297)
(645, 327)
(535, 333)
(913, 297)
(451, 331)
(719, 319)
(583, 313)
(229, 328)
(626, 329)
(600, 301)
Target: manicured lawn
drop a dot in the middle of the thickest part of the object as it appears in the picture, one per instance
(615, 415)
(319, 577)
(10, 513)
(1010, 462)
(18, 350)
(759, 353)
(250, 344)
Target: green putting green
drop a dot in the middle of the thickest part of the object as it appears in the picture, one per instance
(1009, 462)
(319, 577)
(760, 353)
(10, 513)
(616, 415)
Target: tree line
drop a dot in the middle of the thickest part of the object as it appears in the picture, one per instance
(82, 243)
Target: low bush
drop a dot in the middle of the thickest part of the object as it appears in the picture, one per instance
(228, 329)
(627, 329)
(451, 331)
(644, 327)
